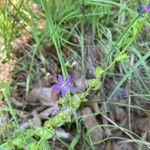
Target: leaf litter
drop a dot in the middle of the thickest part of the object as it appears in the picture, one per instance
(41, 102)
(46, 97)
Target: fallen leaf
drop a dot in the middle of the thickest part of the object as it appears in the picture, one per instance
(17, 103)
(60, 133)
(123, 146)
(119, 116)
(109, 145)
(143, 124)
(81, 84)
(28, 120)
(46, 96)
(50, 111)
(91, 53)
(95, 132)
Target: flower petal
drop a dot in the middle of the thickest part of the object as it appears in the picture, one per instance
(56, 86)
(60, 78)
(146, 7)
(140, 9)
(63, 92)
(70, 88)
(68, 78)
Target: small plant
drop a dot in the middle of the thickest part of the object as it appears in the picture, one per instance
(65, 24)
(63, 85)
(142, 8)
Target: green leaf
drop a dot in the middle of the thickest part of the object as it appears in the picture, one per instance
(75, 102)
(62, 101)
(36, 1)
(45, 145)
(94, 83)
(99, 71)
(74, 141)
(122, 57)
(32, 146)
(44, 133)
(3, 148)
(18, 142)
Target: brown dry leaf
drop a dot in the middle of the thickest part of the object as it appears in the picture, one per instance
(109, 145)
(81, 84)
(119, 94)
(143, 124)
(95, 102)
(50, 111)
(123, 146)
(35, 121)
(90, 122)
(46, 96)
(96, 147)
(91, 53)
(17, 103)
(119, 116)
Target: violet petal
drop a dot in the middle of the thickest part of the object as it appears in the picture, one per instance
(56, 86)
(146, 7)
(63, 92)
(140, 9)
(68, 78)
(70, 88)
(60, 78)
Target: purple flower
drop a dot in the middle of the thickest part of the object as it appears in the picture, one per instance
(146, 7)
(63, 85)
(141, 8)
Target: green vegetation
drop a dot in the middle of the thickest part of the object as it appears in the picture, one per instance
(42, 36)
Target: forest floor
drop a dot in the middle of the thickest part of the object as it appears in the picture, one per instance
(97, 52)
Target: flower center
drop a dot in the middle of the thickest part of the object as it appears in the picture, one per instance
(64, 86)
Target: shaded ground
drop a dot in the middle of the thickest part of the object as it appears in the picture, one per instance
(117, 113)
